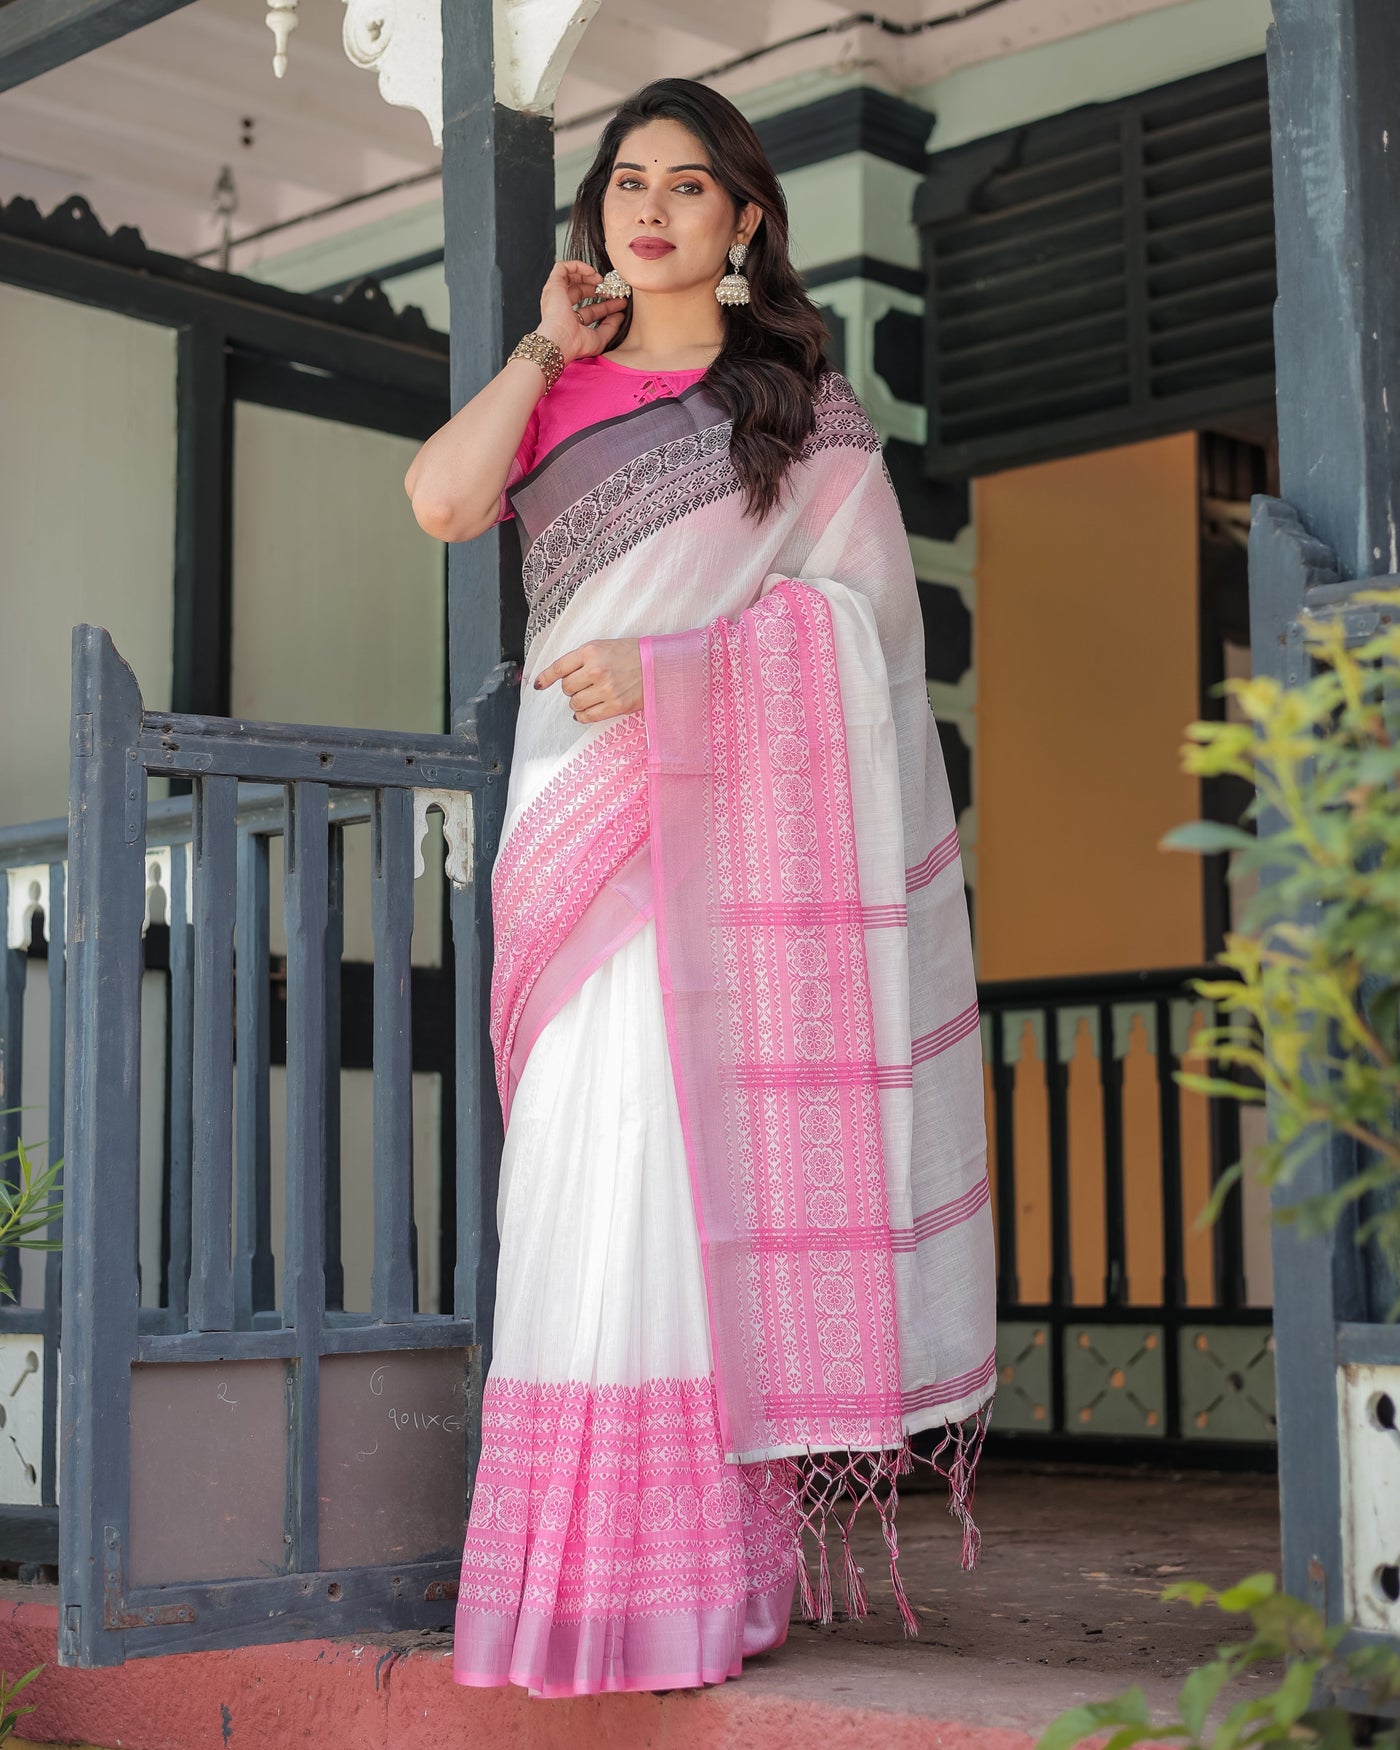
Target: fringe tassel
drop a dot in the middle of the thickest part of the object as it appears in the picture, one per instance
(963, 1445)
(852, 1586)
(804, 1586)
(807, 1492)
(907, 1613)
(824, 1600)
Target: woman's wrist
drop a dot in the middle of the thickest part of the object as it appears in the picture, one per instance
(538, 348)
(567, 336)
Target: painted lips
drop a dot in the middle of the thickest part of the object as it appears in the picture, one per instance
(650, 248)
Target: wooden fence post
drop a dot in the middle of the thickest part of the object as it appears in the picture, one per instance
(106, 903)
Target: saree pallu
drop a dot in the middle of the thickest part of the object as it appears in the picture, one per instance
(746, 1246)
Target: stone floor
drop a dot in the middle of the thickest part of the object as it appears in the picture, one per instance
(1063, 1608)
(1064, 1605)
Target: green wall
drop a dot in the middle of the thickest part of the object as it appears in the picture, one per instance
(834, 201)
(1095, 66)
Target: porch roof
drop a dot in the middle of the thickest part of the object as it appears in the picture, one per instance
(143, 125)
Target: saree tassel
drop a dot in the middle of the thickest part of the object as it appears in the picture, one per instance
(825, 1608)
(962, 1481)
(852, 1586)
(963, 1445)
(806, 1493)
(907, 1613)
(971, 1543)
(805, 1597)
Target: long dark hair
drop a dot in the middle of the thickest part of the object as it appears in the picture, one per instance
(771, 360)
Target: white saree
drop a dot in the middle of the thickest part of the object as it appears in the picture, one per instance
(745, 1235)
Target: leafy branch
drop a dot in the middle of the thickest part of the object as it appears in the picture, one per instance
(1314, 1004)
(29, 1206)
(1285, 1629)
(10, 1715)
(29, 1214)
(1313, 1027)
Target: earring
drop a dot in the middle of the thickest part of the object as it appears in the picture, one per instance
(612, 285)
(734, 288)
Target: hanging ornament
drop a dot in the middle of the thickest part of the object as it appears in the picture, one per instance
(225, 206)
(281, 21)
(734, 287)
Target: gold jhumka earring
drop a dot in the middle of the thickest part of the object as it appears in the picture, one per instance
(612, 285)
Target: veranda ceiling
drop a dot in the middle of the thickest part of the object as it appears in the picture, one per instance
(143, 127)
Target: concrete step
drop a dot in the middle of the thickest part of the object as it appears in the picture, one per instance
(1063, 1609)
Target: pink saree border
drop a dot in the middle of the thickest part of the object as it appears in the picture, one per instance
(612, 917)
(635, 1656)
(611, 1547)
(568, 887)
(760, 942)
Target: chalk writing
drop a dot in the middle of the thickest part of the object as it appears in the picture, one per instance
(422, 1419)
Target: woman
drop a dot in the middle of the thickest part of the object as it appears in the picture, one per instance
(745, 1243)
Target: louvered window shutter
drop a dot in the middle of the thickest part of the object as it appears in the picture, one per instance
(1103, 275)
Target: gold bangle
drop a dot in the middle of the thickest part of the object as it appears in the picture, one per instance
(541, 351)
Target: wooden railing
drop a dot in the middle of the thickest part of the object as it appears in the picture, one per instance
(181, 889)
(1125, 1324)
(1099, 1161)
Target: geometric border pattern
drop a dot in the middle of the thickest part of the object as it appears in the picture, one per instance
(1227, 1383)
(1114, 1380)
(1023, 1377)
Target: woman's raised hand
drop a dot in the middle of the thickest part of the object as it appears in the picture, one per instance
(456, 479)
(602, 678)
(579, 334)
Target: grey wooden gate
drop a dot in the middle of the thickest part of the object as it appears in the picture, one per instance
(1336, 126)
(250, 1472)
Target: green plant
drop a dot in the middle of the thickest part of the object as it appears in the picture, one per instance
(27, 1205)
(1312, 1027)
(9, 1713)
(1284, 1629)
(1313, 1008)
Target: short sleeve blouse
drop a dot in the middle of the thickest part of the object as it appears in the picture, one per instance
(587, 392)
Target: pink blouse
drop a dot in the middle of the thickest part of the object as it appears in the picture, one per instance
(588, 391)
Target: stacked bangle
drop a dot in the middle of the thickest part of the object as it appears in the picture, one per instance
(541, 351)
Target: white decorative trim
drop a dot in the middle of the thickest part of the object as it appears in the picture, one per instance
(281, 21)
(22, 1385)
(456, 806)
(1370, 1465)
(401, 41)
(159, 887)
(28, 889)
(534, 42)
(156, 899)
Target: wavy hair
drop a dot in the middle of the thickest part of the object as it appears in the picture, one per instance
(771, 362)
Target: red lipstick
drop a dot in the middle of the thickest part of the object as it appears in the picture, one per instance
(650, 248)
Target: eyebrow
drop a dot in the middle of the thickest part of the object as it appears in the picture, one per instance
(671, 169)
